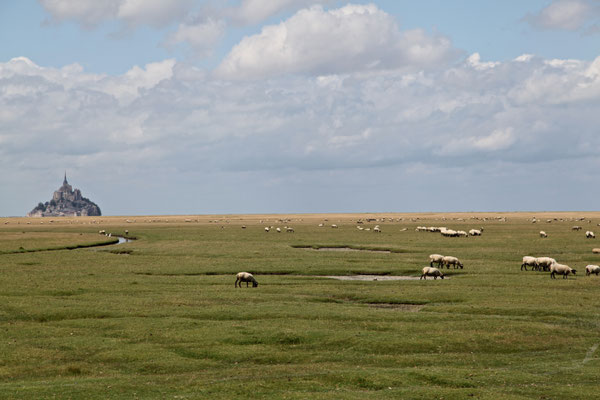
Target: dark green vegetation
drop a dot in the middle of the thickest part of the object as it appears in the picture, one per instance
(159, 318)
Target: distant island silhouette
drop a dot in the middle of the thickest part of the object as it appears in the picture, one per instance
(66, 202)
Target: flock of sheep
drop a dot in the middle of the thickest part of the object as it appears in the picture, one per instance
(550, 264)
(441, 261)
(449, 232)
(588, 234)
(535, 263)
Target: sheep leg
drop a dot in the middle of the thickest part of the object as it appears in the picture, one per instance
(523, 266)
(236, 283)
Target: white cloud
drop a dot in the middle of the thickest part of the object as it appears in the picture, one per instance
(201, 36)
(88, 12)
(500, 139)
(135, 12)
(153, 12)
(255, 11)
(171, 117)
(351, 38)
(475, 61)
(569, 15)
(497, 140)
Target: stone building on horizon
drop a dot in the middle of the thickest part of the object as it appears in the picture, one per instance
(66, 202)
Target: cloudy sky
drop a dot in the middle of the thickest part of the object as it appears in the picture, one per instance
(251, 106)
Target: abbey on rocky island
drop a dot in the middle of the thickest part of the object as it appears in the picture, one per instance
(66, 202)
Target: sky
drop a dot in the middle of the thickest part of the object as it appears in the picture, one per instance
(300, 106)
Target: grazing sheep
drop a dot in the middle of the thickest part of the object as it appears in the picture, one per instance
(102, 232)
(267, 229)
(561, 269)
(289, 229)
(278, 230)
(592, 269)
(436, 258)
(449, 260)
(461, 233)
(334, 226)
(245, 277)
(377, 229)
(543, 234)
(576, 228)
(431, 271)
(590, 235)
(475, 232)
(531, 261)
(545, 263)
(449, 233)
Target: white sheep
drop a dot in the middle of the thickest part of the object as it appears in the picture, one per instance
(545, 263)
(377, 229)
(278, 230)
(475, 232)
(449, 260)
(334, 226)
(436, 258)
(576, 228)
(561, 269)
(289, 229)
(592, 269)
(245, 277)
(590, 235)
(449, 232)
(531, 261)
(543, 234)
(431, 271)
(267, 229)
(461, 233)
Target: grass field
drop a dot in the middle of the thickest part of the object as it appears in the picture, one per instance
(159, 318)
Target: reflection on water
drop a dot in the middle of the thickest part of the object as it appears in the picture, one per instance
(123, 240)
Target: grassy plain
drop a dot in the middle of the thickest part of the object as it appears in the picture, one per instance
(159, 318)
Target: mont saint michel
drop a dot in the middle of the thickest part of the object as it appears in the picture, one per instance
(66, 202)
